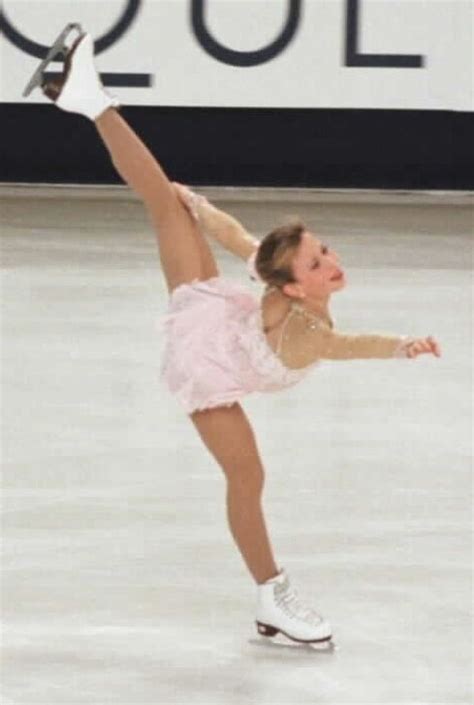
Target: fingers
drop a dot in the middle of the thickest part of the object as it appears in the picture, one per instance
(423, 345)
(416, 349)
(435, 348)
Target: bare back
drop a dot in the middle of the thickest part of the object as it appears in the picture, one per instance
(275, 310)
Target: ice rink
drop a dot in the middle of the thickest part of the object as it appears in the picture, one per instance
(121, 583)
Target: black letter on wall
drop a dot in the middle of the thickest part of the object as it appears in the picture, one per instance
(243, 58)
(353, 58)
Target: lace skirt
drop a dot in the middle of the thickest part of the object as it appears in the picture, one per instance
(203, 361)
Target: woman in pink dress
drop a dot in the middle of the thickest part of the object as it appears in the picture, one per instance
(221, 342)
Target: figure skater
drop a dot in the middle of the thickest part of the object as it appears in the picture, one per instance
(222, 343)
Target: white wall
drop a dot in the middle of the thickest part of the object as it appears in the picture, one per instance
(309, 73)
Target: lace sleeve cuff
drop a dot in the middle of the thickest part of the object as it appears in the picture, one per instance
(194, 201)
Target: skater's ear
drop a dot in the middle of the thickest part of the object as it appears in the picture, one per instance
(293, 290)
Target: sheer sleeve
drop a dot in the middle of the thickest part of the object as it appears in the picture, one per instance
(226, 229)
(303, 343)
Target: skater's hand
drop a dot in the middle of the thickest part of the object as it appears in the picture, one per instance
(189, 199)
(422, 346)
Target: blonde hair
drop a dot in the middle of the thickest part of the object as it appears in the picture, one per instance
(276, 252)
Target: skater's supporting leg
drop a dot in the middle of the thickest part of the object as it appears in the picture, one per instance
(184, 252)
(229, 437)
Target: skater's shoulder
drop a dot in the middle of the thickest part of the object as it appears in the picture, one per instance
(275, 308)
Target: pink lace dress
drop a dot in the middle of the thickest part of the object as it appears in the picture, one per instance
(215, 349)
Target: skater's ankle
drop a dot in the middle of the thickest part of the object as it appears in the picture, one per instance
(105, 115)
(269, 576)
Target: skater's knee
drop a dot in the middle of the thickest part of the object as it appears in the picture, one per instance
(228, 435)
(243, 469)
(245, 480)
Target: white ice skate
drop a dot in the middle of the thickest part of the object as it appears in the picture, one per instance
(79, 90)
(280, 611)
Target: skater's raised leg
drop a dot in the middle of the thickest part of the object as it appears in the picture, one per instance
(184, 252)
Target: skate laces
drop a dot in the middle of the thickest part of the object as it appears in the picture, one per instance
(287, 599)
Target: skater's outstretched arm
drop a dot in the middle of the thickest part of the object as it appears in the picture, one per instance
(306, 340)
(218, 224)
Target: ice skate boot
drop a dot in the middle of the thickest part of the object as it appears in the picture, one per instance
(280, 611)
(79, 90)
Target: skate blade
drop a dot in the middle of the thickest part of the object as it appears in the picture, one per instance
(327, 646)
(57, 52)
(269, 632)
(277, 637)
(281, 641)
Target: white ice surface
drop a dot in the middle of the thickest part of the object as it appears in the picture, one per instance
(120, 580)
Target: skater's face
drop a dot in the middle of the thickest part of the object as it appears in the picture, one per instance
(316, 270)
